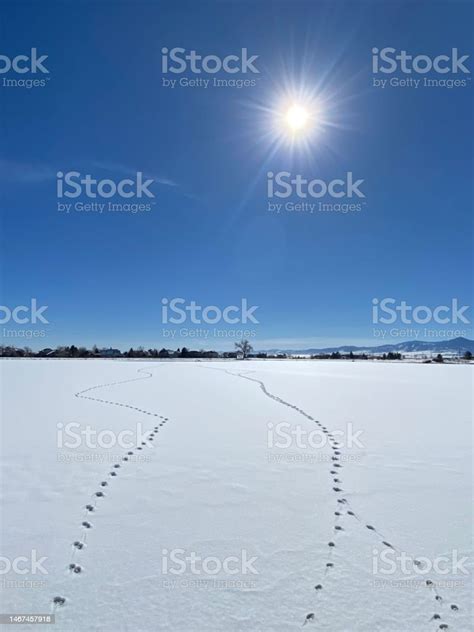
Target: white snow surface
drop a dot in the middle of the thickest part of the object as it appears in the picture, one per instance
(212, 485)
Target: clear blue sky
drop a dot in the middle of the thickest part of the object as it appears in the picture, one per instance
(209, 236)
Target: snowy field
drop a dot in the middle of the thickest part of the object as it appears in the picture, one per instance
(222, 521)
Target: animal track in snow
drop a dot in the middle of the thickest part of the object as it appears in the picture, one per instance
(79, 545)
(335, 446)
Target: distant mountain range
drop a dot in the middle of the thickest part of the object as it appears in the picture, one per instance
(456, 345)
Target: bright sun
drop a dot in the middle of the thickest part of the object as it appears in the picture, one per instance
(297, 118)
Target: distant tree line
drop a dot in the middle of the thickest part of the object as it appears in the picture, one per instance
(337, 355)
(83, 352)
(391, 355)
(243, 351)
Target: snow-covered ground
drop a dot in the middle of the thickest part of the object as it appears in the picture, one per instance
(238, 479)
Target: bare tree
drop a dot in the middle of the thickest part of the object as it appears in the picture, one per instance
(244, 347)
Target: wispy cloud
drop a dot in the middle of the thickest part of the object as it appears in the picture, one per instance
(29, 173)
(128, 171)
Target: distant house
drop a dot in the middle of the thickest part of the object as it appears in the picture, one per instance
(45, 352)
(109, 353)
